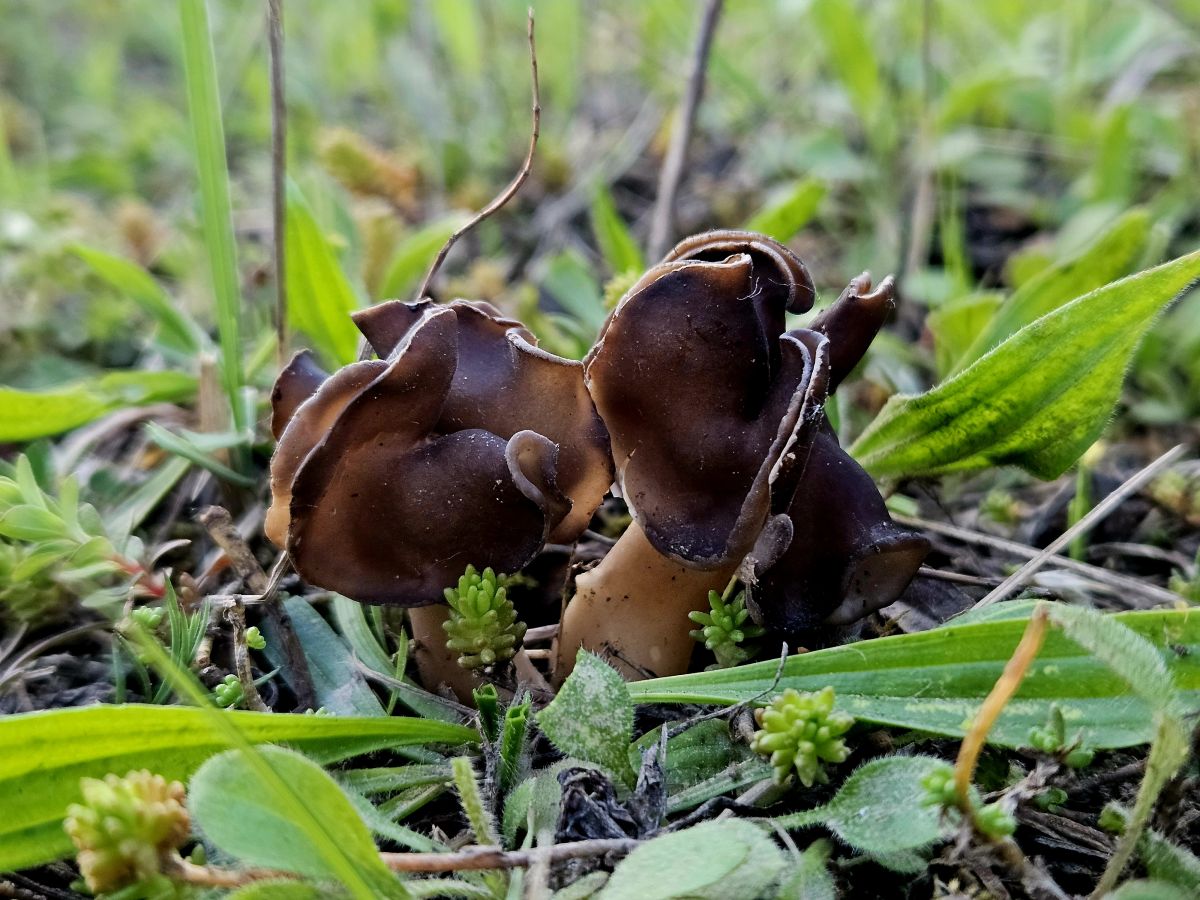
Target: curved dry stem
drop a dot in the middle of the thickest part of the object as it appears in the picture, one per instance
(636, 604)
(513, 186)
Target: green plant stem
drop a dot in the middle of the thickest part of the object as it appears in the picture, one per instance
(204, 111)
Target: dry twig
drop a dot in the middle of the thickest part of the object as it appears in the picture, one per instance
(1094, 517)
(513, 186)
(278, 171)
(672, 170)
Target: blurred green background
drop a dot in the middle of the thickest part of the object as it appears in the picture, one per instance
(966, 146)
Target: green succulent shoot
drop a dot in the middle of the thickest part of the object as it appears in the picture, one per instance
(801, 731)
(725, 630)
(125, 828)
(229, 692)
(482, 628)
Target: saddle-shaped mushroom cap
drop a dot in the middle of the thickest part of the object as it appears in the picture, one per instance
(372, 499)
(505, 383)
(703, 393)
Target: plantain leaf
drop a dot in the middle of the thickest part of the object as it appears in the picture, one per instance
(320, 297)
(44, 754)
(176, 330)
(714, 860)
(1039, 399)
(1113, 254)
(612, 234)
(934, 681)
(236, 812)
(414, 254)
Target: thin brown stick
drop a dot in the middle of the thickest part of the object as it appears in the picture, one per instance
(1114, 581)
(672, 170)
(513, 186)
(474, 858)
(236, 616)
(466, 860)
(1094, 517)
(1010, 679)
(278, 172)
(224, 533)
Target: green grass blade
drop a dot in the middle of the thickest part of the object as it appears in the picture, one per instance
(934, 681)
(208, 135)
(44, 754)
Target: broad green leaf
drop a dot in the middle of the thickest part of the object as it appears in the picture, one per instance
(714, 860)
(612, 234)
(44, 754)
(216, 213)
(237, 813)
(592, 717)
(878, 808)
(28, 415)
(1113, 254)
(177, 331)
(414, 255)
(783, 218)
(934, 681)
(339, 685)
(569, 280)
(1039, 399)
(320, 298)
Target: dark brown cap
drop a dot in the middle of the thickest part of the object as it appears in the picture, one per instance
(835, 556)
(374, 500)
(505, 383)
(706, 400)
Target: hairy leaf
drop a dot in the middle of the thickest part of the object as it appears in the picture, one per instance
(713, 860)
(878, 808)
(592, 716)
(238, 814)
(1039, 399)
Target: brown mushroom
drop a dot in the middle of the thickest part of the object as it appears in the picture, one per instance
(710, 407)
(396, 473)
(725, 458)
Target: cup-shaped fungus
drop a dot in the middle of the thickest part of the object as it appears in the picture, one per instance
(463, 444)
(713, 408)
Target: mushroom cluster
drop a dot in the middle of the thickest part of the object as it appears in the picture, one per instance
(465, 443)
(725, 457)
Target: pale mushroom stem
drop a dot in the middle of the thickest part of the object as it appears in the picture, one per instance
(437, 665)
(636, 602)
